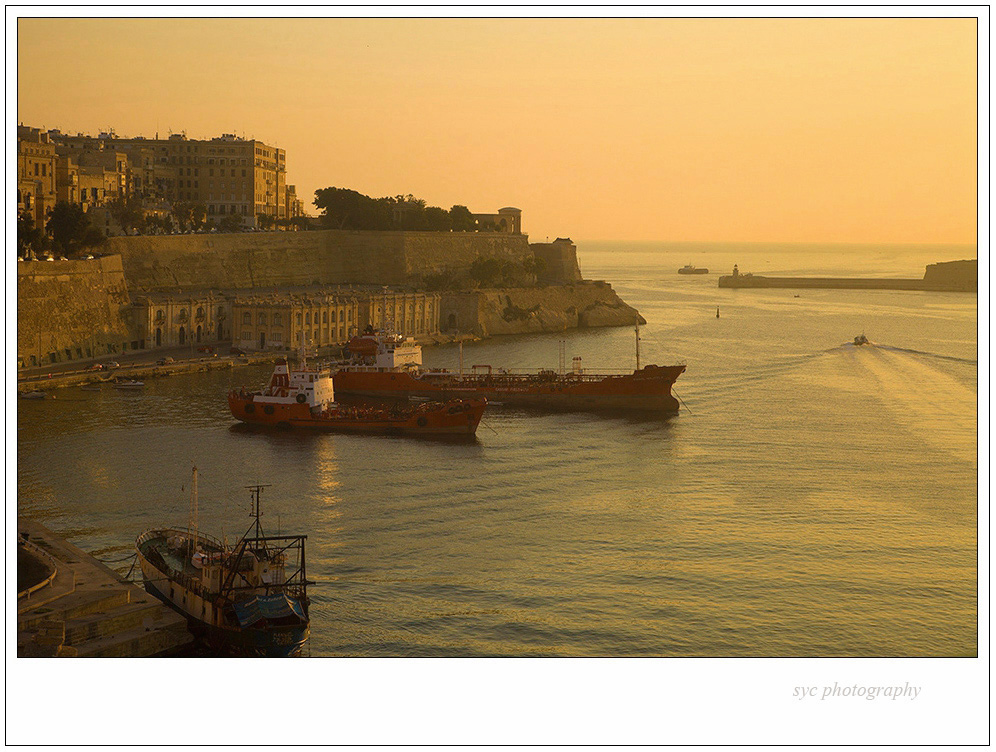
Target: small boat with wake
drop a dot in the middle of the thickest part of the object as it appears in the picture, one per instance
(302, 397)
(127, 384)
(249, 599)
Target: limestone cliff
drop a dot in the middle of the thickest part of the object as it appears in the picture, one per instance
(536, 309)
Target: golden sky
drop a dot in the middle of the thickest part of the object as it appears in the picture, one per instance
(822, 130)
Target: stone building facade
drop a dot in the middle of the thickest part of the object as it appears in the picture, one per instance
(229, 175)
(407, 313)
(508, 219)
(178, 320)
(36, 173)
(287, 321)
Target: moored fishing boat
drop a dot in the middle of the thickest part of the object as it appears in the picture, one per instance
(390, 366)
(248, 599)
(302, 397)
(689, 269)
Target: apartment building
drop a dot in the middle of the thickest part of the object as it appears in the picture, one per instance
(229, 175)
(36, 173)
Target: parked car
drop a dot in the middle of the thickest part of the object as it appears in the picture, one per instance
(95, 367)
(164, 361)
(112, 364)
(205, 349)
(236, 351)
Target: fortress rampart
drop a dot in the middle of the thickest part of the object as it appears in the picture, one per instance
(68, 310)
(75, 310)
(322, 257)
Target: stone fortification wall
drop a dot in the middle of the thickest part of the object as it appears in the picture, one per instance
(528, 310)
(324, 257)
(561, 261)
(428, 253)
(69, 310)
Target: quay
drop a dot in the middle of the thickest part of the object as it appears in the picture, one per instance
(69, 604)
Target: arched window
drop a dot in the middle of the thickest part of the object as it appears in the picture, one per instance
(307, 318)
(277, 320)
(200, 311)
(247, 318)
(299, 319)
(341, 314)
(325, 317)
(262, 319)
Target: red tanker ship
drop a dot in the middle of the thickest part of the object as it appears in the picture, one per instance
(386, 365)
(303, 397)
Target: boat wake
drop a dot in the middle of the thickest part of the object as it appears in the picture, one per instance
(940, 410)
(938, 356)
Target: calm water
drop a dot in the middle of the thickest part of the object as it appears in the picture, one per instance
(813, 498)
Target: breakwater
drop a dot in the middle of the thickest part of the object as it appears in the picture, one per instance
(949, 276)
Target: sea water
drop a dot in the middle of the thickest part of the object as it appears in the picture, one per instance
(812, 498)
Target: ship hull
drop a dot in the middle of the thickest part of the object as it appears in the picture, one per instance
(278, 642)
(459, 419)
(647, 390)
(207, 622)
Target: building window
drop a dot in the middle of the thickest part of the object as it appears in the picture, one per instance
(247, 318)
(307, 318)
(299, 317)
(262, 319)
(325, 317)
(276, 320)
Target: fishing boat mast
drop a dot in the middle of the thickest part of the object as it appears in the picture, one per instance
(254, 510)
(192, 518)
(638, 344)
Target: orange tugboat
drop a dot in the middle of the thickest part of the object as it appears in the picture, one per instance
(303, 397)
(388, 366)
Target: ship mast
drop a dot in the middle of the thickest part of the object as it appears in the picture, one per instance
(637, 343)
(192, 521)
(254, 511)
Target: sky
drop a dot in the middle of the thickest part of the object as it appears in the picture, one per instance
(709, 129)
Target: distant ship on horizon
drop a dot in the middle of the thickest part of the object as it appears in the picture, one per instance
(689, 269)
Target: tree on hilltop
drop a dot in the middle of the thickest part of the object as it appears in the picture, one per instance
(461, 220)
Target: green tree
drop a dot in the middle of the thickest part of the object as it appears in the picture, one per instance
(92, 238)
(127, 212)
(534, 266)
(461, 220)
(230, 223)
(29, 238)
(438, 219)
(265, 221)
(67, 224)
